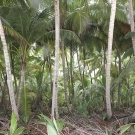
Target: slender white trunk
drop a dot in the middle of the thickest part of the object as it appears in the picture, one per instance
(56, 66)
(8, 72)
(108, 66)
(132, 25)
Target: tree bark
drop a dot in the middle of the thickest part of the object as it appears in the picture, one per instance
(71, 74)
(21, 84)
(8, 72)
(56, 66)
(81, 77)
(131, 119)
(119, 84)
(108, 66)
(132, 25)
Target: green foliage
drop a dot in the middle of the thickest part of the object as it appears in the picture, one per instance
(77, 21)
(128, 53)
(13, 127)
(83, 108)
(125, 128)
(21, 25)
(129, 35)
(25, 106)
(130, 67)
(53, 127)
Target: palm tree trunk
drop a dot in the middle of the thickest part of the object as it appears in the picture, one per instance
(22, 78)
(132, 22)
(132, 117)
(81, 77)
(8, 72)
(119, 85)
(13, 71)
(50, 71)
(64, 74)
(108, 66)
(3, 102)
(56, 66)
(84, 55)
(67, 69)
(71, 74)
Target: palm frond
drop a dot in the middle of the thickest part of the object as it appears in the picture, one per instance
(100, 11)
(77, 21)
(19, 20)
(130, 67)
(4, 11)
(6, 2)
(38, 31)
(5, 22)
(129, 35)
(70, 35)
(121, 14)
(66, 34)
(46, 12)
(11, 32)
(128, 53)
(25, 4)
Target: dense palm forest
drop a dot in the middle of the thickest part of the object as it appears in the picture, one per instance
(66, 57)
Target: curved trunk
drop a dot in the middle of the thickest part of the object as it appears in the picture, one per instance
(108, 66)
(8, 72)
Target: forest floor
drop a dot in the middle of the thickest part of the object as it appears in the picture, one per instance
(76, 124)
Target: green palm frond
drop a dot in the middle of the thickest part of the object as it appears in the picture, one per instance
(121, 15)
(20, 21)
(130, 67)
(100, 11)
(4, 11)
(77, 21)
(69, 35)
(38, 31)
(128, 53)
(66, 34)
(5, 22)
(6, 2)
(11, 32)
(129, 35)
(46, 12)
(24, 3)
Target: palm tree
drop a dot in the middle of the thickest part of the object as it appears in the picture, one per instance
(56, 66)
(28, 28)
(108, 66)
(8, 72)
(132, 22)
(131, 119)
